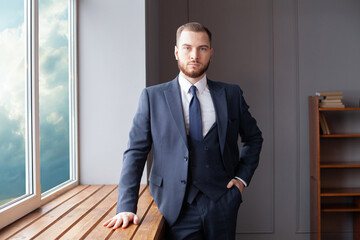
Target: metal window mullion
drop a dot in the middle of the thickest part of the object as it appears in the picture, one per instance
(71, 149)
(35, 95)
(75, 90)
(30, 163)
(29, 186)
(72, 90)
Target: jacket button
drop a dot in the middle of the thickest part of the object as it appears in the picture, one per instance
(185, 159)
(183, 181)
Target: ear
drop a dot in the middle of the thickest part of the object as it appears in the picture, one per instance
(176, 52)
(211, 53)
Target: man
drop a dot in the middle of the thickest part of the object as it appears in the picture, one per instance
(197, 175)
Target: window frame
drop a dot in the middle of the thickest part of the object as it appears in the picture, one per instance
(33, 197)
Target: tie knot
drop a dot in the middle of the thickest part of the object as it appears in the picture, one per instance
(193, 90)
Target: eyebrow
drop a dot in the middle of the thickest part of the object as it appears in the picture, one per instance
(189, 45)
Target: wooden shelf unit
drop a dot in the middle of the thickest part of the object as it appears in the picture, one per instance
(325, 199)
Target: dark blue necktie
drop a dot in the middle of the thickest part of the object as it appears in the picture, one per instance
(195, 123)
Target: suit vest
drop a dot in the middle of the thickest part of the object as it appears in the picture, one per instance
(206, 171)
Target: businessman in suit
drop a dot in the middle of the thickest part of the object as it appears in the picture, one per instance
(193, 124)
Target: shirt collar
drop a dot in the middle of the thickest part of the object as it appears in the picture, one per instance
(185, 84)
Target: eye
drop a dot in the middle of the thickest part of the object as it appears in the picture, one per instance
(203, 49)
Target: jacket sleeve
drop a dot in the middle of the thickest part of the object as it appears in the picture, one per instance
(135, 156)
(251, 138)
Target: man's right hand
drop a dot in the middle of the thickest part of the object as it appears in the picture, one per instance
(122, 219)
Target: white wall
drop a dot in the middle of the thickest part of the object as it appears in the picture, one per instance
(111, 52)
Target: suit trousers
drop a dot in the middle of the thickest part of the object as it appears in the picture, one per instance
(207, 219)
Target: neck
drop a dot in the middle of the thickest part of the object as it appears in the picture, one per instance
(192, 80)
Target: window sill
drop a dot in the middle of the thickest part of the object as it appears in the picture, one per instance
(80, 213)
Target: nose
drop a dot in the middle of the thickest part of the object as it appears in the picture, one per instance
(194, 54)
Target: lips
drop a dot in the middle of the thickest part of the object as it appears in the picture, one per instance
(194, 64)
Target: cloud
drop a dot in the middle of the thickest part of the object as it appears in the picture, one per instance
(53, 9)
(54, 118)
(12, 71)
(12, 157)
(11, 13)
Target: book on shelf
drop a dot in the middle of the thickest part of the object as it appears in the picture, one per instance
(335, 97)
(330, 99)
(324, 94)
(331, 105)
(323, 124)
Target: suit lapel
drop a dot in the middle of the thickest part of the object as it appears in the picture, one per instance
(173, 99)
(218, 96)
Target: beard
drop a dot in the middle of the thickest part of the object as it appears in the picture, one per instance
(193, 73)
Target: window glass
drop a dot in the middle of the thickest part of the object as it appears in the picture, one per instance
(54, 93)
(12, 101)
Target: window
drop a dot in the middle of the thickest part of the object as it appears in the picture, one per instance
(54, 93)
(38, 140)
(12, 101)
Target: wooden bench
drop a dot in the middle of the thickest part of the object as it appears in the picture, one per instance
(80, 213)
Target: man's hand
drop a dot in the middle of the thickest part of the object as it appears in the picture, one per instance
(123, 219)
(237, 183)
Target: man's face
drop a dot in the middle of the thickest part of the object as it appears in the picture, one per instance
(193, 53)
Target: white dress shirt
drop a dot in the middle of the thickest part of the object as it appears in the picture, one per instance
(206, 105)
(208, 116)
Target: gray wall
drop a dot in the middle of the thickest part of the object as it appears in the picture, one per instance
(279, 52)
(111, 52)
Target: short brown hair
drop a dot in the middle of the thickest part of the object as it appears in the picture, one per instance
(194, 27)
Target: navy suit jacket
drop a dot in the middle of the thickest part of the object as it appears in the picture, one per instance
(159, 123)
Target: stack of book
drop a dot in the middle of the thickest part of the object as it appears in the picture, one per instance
(330, 99)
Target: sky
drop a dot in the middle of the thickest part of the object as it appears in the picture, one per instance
(54, 103)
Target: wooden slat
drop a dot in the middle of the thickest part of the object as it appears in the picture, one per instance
(335, 207)
(340, 136)
(62, 225)
(340, 164)
(101, 232)
(339, 109)
(49, 219)
(148, 231)
(143, 207)
(24, 222)
(86, 224)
